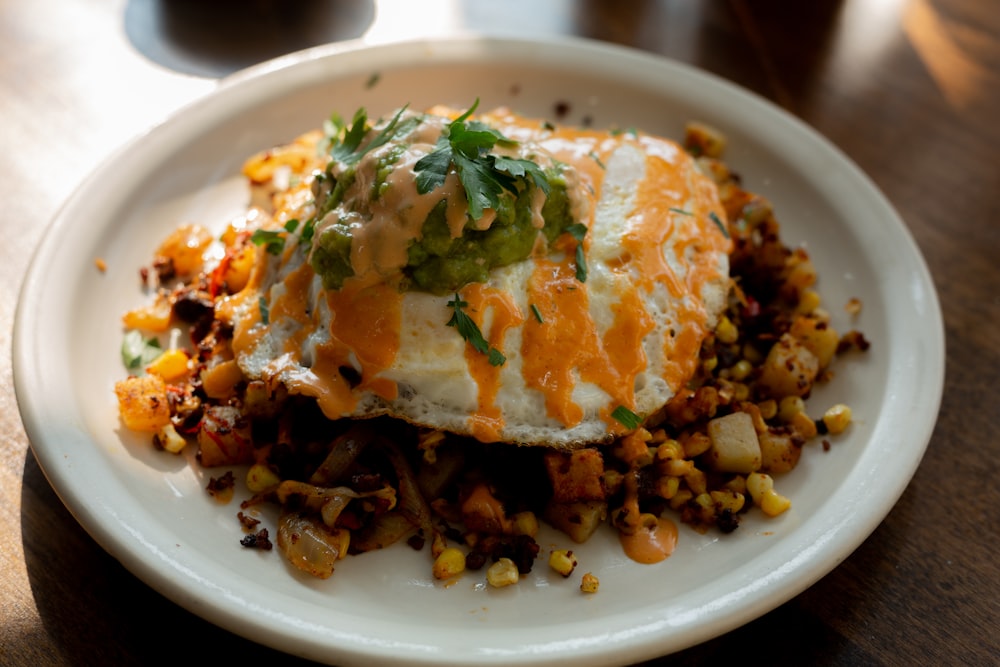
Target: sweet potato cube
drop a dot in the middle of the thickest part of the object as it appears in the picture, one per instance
(142, 403)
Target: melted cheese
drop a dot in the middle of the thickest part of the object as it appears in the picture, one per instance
(628, 336)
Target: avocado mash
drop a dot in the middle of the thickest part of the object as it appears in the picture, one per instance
(431, 203)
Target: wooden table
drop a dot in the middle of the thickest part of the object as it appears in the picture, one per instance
(910, 89)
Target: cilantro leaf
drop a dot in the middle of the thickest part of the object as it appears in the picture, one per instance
(138, 352)
(344, 148)
(433, 168)
(578, 231)
(626, 417)
(348, 151)
(272, 240)
(484, 176)
(265, 312)
(482, 188)
(469, 330)
(523, 168)
(718, 223)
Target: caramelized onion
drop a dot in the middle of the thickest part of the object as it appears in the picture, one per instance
(309, 545)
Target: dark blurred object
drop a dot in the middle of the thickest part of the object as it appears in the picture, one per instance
(219, 37)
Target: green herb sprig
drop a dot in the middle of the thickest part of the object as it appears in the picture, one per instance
(484, 176)
(578, 231)
(273, 240)
(138, 352)
(626, 417)
(469, 330)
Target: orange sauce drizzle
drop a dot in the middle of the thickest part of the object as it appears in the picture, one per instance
(487, 422)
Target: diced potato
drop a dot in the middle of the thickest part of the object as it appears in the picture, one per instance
(818, 336)
(790, 368)
(185, 247)
(575, 476)
(236, 273)
(735, 447)
(483, 513)
(577, 520)
(224, 437)
(778, 452)
(220, 380)
(702, 139)
(142, 403)
(155, 317)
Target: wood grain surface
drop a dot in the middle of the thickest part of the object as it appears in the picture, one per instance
(909, 89)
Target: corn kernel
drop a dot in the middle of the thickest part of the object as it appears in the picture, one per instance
(589, 583)
(803, 425)
(680, 499)
(837, 418)
(678, 467)
(728, 500)
(789, 407)
(502, 573)
(524, 523)
(759, 483)
(172, 365)
(667, 487)
(726, 332)
(768, 409)
(450, 563)
(809, 301)
(260, 478)
(170, 440)
(696, 444)
(563, 562)
(740, 370)
(670, 449)
(752, 354)
(773, 503)
(696, 481)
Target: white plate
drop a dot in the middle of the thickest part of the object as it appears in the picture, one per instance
(150, 509)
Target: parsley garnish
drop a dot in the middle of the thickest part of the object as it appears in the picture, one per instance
(597, 158)
(721, 225)
(680, 210)
(537, 313)
(272, 239)
(626, 417)
(484, 176)
(348, 149)
(139, 352)
(265, 313)
(468, 329)
(578, 231)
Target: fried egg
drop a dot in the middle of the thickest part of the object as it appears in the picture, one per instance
(578, 348)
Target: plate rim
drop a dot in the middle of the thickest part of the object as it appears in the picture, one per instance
(25, 368)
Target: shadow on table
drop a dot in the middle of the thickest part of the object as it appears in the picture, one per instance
(213, 39)
(90, 605)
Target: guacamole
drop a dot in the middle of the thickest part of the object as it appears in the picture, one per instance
(393, 207)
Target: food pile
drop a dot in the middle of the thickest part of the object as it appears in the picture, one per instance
(444, 329)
